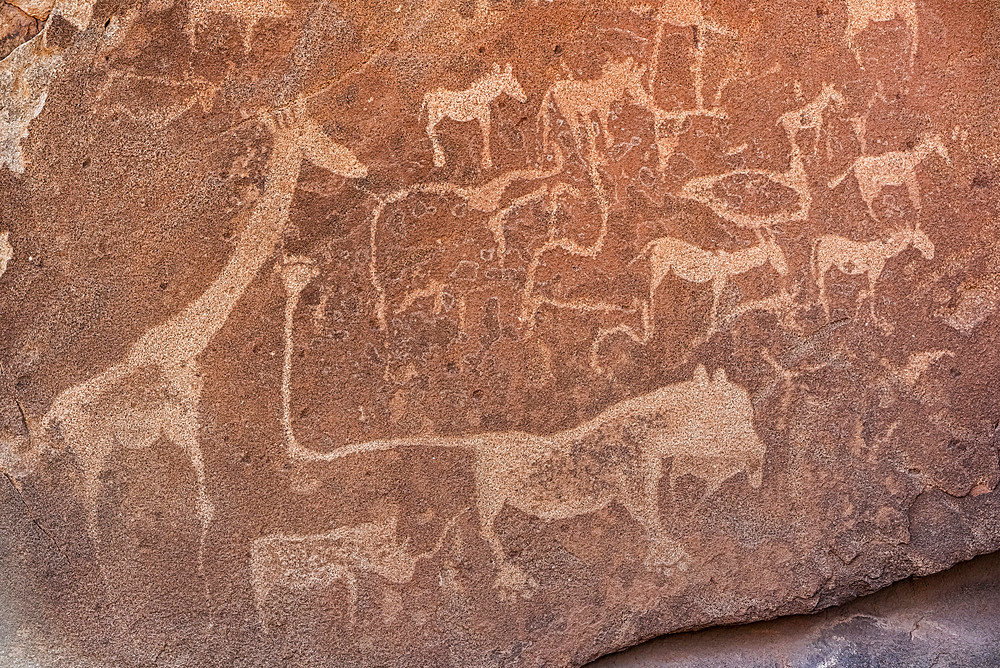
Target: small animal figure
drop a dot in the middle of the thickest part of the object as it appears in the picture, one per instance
(471, 103)
(895, 168)
(861, 13)
(855, 258)
(810, 117)
(577, 100)
(311, 561)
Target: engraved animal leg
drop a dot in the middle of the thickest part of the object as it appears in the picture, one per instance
(352, 595)
(642, 500)
(183, 427)
(433, 117)
(484, 126)
(913, 188)
(509, 577)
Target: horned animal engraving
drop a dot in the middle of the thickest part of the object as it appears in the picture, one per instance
(471, 103)
(697, 265)
(6, 252)
(312, 561)
(810, 117)
(895, 168)
(705, 425)
(855, 258)
(578, 100)
(861, 13)
(153, 395)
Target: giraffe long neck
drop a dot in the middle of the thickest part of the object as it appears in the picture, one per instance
(184, 336)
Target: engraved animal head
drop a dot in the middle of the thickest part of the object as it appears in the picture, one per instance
(831, 94)
(509, 83)
(711, 433)
(932, 143)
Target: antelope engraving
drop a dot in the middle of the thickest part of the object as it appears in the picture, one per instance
(294, 562)
(471, 103)
(862, 13)
(810, 117)
(668, 255)
(855, 258)
(153, 395)
(578, 100)
(895, 168)
(705, 425)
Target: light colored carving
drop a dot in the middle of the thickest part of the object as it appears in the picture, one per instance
(248, 13)
(6, 252)
(485, 197)
(703, 189)
(293, 562)
(705, 425)
(578, 100)
(471, 103)
(895, 168)
(686, 14)
(154, 393)
(810, 117)
(667, 255)
(855, 258)
(861, 13)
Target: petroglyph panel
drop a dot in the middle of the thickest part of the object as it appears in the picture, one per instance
(486, 333)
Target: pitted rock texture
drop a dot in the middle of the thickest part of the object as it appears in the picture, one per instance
(486, 333)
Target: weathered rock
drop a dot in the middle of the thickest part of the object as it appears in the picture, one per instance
(945, 620)
(473, 333)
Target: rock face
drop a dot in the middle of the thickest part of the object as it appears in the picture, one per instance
(948, 620)
(486, 333)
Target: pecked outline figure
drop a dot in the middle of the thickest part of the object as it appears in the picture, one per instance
(704, 424)
(154, 393)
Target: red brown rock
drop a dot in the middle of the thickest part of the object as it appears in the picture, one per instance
(487, 333)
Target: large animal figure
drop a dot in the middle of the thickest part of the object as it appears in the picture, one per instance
(471, 103)
(152, 395)
(704, 425)
(697, 265)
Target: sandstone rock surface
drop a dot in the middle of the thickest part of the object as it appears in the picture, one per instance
(473, 333)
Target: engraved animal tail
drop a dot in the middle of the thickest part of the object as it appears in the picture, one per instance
(449, 525)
